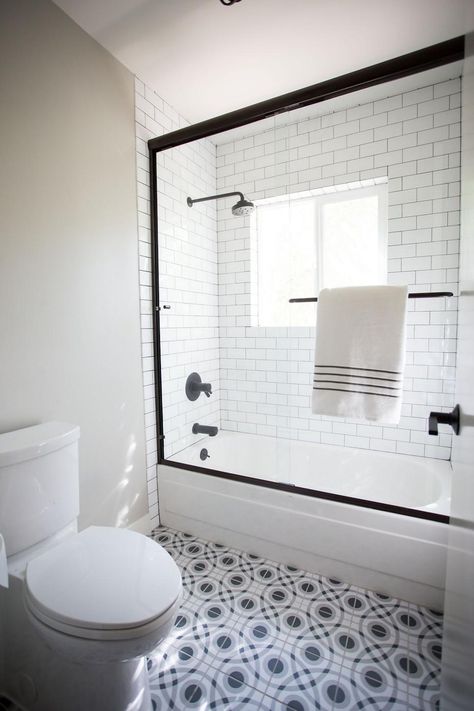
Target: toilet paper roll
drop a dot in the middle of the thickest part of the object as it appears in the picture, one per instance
(3, 564)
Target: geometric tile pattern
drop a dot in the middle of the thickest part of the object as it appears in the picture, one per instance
(254, 634)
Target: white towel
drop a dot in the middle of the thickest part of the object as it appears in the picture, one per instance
(360, 352)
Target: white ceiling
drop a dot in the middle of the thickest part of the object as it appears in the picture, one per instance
(206, 59)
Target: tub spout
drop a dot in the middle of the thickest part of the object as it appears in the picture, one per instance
(205, 429)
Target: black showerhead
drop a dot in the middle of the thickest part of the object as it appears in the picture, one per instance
(242, 207)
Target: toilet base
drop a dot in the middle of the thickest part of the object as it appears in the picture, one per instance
(39, 679)
(119, 686)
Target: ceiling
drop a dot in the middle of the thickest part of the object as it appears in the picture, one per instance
(206, 59)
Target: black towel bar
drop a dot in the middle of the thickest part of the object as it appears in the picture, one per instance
(412, 295)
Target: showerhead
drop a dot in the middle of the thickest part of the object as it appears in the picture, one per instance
(243, 207)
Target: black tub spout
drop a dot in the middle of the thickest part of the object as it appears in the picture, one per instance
(205, 429)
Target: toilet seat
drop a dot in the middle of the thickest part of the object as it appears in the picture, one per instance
(104, 583)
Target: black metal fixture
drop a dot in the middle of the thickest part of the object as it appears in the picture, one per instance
(411, 295)
(444, 418)
(242, 207)
(205, 429)
(204, 454)
(195, 386)
(436, 55)
(229, 2)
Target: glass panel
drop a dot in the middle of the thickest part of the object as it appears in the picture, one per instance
(227, 277)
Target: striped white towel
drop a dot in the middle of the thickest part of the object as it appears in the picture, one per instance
(360, 352)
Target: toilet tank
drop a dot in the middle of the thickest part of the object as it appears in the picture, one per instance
(39, 483)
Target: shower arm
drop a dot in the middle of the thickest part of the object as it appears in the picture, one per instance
(191, 202)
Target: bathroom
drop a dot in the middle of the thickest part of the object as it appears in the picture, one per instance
(141, 316)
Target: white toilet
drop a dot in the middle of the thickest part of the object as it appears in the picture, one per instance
(82, 609)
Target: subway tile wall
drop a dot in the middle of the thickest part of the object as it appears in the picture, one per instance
(188, 281)
(412, 139)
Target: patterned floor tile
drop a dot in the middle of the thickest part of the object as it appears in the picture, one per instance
(256, 665)
(222, 691)
(253, 634)
(302, 691)
(174, 681)
(373, 687)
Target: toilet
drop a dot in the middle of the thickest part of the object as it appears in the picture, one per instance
(82, 609)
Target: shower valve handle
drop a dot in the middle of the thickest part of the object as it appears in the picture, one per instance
(195, 386)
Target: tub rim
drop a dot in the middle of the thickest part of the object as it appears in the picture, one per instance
(313, 493)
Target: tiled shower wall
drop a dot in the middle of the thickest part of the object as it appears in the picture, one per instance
(412, 139)
(188, 281)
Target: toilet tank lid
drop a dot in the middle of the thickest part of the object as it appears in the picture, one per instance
(32, 442)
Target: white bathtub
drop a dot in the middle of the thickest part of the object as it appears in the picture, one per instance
(393, 479)
(404, 556)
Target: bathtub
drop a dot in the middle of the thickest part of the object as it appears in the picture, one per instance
(397, 480)
(317, 510)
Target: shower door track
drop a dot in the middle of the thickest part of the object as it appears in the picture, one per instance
(421, 60)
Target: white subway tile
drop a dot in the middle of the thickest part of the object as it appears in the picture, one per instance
(418, 96)
(451, 86)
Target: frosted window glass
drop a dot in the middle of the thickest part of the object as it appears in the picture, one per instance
(350, 243)
(286, 262)
(305, 245)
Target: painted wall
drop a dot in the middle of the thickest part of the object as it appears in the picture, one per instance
(69, 318)
(412, 140)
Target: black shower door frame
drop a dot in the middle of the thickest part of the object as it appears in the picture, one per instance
(413, 63)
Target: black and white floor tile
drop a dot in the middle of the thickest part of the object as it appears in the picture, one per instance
(257, 635)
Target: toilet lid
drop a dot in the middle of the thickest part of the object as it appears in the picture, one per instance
(104, 578)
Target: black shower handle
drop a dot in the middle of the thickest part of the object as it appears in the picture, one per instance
(194, 387)
(444, 418)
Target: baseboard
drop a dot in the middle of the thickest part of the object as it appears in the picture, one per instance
(142, 525)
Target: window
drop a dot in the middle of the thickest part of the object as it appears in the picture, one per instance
(306, 243)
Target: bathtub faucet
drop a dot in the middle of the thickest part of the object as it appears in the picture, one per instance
(205, 429)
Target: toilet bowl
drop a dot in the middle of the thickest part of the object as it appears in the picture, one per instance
(104, 594)
(84, 609)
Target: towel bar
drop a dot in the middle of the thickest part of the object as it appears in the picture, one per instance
(411, 295)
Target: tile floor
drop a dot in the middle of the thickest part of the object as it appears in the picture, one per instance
(253, 634)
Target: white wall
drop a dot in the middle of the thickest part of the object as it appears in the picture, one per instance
(69, 318)
(411, 139)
